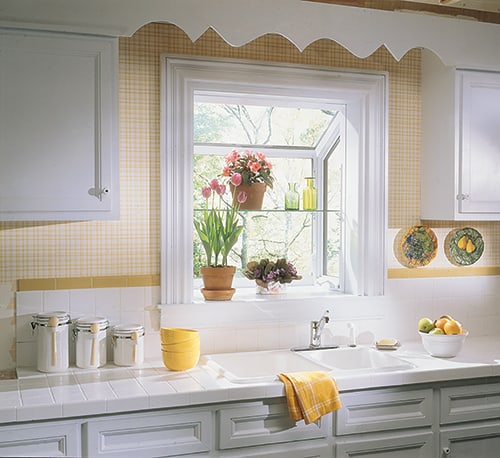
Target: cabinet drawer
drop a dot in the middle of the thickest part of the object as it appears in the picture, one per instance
(260, 423)
(409, 445)
(384, 410)
(466, 403)
(148, 435)
(41, 439)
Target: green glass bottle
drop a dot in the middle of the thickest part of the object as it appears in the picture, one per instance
(292, 197)
(309, 195)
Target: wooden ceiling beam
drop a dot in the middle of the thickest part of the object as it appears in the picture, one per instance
(402, 5)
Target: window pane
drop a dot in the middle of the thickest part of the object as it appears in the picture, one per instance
(259, 125)
(270, 233)
(333, 221)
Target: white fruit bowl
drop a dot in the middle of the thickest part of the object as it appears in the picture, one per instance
(443, 345)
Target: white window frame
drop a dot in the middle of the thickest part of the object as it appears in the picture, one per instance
(364, 95)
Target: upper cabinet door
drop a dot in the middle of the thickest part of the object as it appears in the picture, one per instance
(460, 156)
(58, 127)
(480, 142)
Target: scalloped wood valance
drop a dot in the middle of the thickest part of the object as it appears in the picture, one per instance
(457, 42)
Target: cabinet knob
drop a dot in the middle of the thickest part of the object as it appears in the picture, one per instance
(99, 192)
(446, 452)
(463, 196)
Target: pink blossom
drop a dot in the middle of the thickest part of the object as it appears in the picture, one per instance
(232, 156)
(260, 156)
(255, 166)
(241, 197)
(206, 191)
(236, 179)
(269, 165)
(214, 184)
(221, 189)
(226, 171)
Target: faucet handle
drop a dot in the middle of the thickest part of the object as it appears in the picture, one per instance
(326, 316)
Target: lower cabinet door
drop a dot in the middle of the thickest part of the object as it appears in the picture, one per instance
(46, 439)
(481, 440)
(149, 435)
(407, 445)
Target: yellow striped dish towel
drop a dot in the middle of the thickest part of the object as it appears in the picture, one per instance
(310, 395)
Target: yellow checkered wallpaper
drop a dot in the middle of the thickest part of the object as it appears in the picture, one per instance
(131, 246)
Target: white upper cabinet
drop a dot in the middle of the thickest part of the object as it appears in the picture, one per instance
(460, 173)
(58, 127)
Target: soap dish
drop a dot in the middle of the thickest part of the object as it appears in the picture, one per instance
(387, 344)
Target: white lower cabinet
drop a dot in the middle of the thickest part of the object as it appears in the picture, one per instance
(479, 440)
(470, 421)
(392, 423)
(443, 420)
(56, 438)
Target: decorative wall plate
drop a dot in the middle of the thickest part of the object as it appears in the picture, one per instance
(466, 246)
(419, 246)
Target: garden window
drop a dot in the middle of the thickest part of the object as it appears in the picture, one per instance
(308, 122)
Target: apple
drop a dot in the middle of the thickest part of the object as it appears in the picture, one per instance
(436, 331)
(425, 324)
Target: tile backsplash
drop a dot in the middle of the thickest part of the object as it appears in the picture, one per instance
(118, 305)
(256, 325)
(251, 324)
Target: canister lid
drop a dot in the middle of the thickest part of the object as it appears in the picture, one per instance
(126, 330)
(43, 318)
(85, 322)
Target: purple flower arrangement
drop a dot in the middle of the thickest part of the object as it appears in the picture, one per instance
(265, 271)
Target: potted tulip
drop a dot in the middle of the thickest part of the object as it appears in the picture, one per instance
(249, 172)
(219, 230)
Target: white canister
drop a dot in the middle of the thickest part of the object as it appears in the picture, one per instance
(52, 341)
(90, 333)
(128, 344)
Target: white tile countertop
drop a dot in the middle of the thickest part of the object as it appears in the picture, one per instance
(112, 389)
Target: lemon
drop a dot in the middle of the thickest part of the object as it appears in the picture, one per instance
(452, 327)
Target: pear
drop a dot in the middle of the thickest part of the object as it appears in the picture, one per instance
(470, 247)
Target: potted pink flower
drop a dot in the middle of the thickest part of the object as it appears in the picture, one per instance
(249, 172)
(219, 230)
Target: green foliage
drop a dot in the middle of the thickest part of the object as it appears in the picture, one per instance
(218, 228)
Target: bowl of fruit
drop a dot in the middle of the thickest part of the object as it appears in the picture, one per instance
(443, 337)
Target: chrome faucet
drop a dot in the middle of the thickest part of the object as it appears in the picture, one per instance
(317, 329)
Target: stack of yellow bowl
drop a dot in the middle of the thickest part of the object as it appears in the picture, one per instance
(180, 348)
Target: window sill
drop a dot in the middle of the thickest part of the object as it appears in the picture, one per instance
(291, 294)
(299, 305)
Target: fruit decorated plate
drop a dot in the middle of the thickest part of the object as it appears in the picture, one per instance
(419, 246)
(466, 246)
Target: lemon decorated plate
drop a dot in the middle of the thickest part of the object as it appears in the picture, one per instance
(419, 246)
(466, 246)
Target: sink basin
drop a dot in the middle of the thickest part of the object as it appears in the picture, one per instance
(264, 366)
(357, 359)
(260, 366)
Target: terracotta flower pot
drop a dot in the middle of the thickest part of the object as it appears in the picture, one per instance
(255, 195)
(217, 283)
